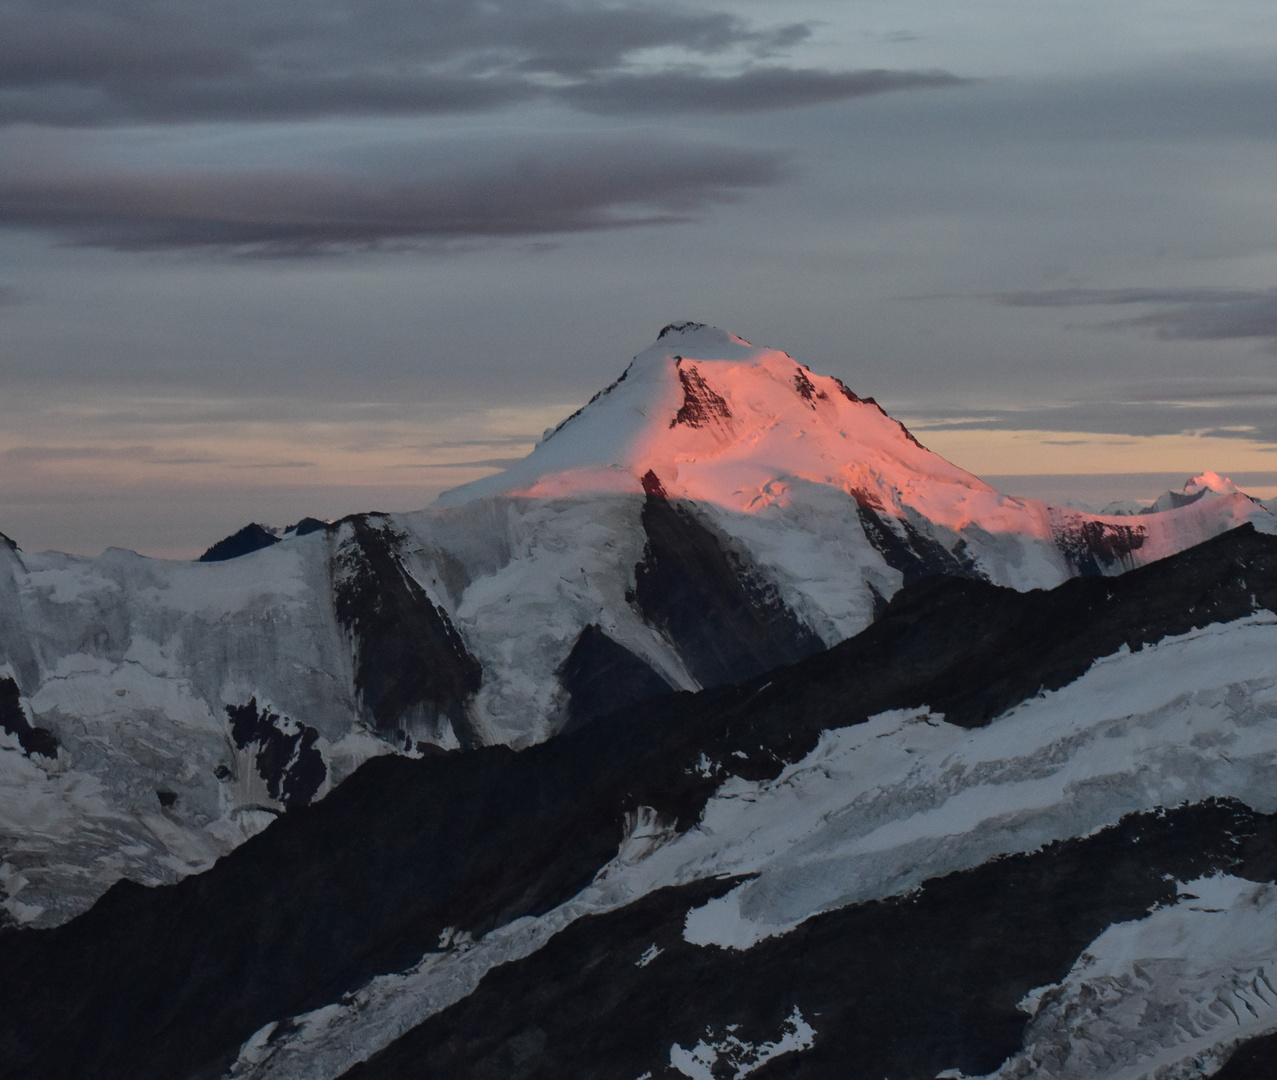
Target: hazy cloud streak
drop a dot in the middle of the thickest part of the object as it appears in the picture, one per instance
(1201, 314)
(103, 62)
(754, 90)
(1251, 421)
(569, 186)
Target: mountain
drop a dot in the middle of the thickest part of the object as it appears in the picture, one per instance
(995, 833)
(715, 513)
(1209, 485)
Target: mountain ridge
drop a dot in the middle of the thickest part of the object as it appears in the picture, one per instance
(412, 857)
(732, 731)
(719, 510)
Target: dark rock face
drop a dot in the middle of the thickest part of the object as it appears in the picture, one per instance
(286, 756)
(33, 740)
(975, 649)
(155, 984)
(1097, 547)
(679, 328)
(846, 390)
(701, 405)
(902, 988)
(306, 526)
(601, 676)
(807, 389)
(251, 537)
(1255, 1059)
(903, 430)
(163, 983)
(411, 666)
(907, 548)
(727, 622)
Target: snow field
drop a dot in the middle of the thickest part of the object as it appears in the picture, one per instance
(875, 808)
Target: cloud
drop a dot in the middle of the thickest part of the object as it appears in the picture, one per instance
(559, 186)
(1200, 314)
(245, 96)
(32, 454)
(112, 43)
(104, 62)
(521, 440)
(482, 463)
(1059, 298)
(754, 90)
(1247, 419)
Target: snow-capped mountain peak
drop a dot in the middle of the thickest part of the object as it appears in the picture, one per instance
(1210, 482)
(719, 420)
(1206, 486)
(705, 415)
(186, 704)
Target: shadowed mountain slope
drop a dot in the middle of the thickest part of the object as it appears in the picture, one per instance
(408, 854)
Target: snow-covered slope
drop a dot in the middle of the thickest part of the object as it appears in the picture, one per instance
(997, 833)
(1209, 485)
(876, 810)
(818, 497)
(703, 415)
(716, 512)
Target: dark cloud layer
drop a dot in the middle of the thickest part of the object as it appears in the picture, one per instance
(1177, 314)
(1252, 420)
(754, 90)
(577, 186)
(115, 41)
(99, 62)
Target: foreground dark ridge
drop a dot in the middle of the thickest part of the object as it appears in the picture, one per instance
(168, 982)
(902, 988)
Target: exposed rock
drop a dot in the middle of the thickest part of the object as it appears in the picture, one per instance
(250, 538)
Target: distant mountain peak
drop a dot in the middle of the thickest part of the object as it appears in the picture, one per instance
(719, 420)
(1210, 481)
(682, 329)
(1205, 486)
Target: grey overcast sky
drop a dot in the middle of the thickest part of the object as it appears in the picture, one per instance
(274, 258)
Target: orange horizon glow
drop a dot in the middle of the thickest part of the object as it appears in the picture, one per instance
(63, 463)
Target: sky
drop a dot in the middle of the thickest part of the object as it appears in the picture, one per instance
(269, 259)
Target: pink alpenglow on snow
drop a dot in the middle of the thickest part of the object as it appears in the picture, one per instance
(720, 420)
(717, 420)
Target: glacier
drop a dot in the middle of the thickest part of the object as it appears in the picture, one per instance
(789, 511)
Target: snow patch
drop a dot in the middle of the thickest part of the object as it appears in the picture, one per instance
(731, 1057)
(130, 661)
(876, 808)
(1170, 995)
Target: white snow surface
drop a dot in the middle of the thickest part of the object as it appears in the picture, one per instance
(131, 662)
(877, 808)
(1208, 485)
(1166, 997)
(550, 544)
(781, 429)
(727, 1051)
